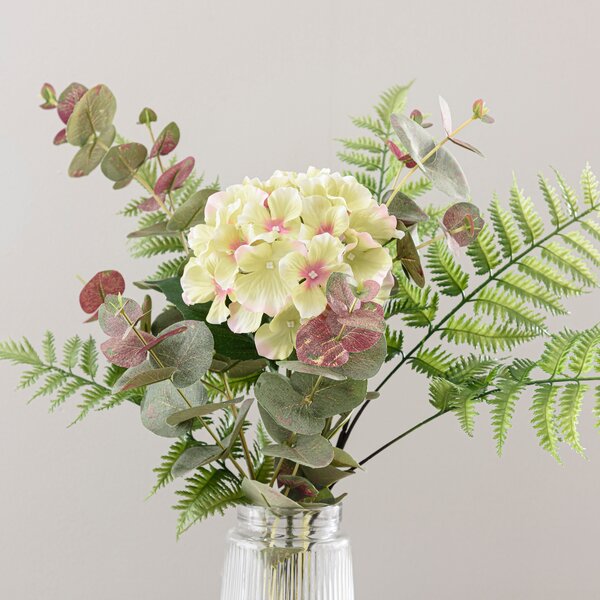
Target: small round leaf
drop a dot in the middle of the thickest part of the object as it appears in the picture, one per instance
(166, 141)
(174, 177)
(92, 115)
(91, 154)
(68, 99)
(121, 162)
(95, 291)
(147, 116)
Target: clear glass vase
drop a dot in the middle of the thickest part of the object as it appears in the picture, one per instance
(287, 554)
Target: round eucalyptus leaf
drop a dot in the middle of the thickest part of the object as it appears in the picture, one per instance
(98, 288)
(162, 400)
(191, 212)
(195, 457)
(93, 114)
(121, 162)
(365, 364)
(166, 141)
(244, 368)
(114, 314)
(262, 494)
(325, 476)
(286, 406)
(409, 258)
(67, 100)
(300, 367)
(190, 352)
(404, 208)
(142, 376)
(147, 115)
(174, 177)
(91, 154)
(307, 450)
(229, 441)
(300, 486)
(331, 397)
(463, 222)
(187, 414)
(277, 433)
(341, 458)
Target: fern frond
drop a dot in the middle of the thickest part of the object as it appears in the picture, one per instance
(370, 124)
(505, 228)
(503, 402)
(548, 276)
(568, 194)
(464, 408)
(163, 471)
(208, 492)
(434, 362)
(592, 227)
(485, 336)
(589, 185)
(449, 276)
(417, 187)
(170, 268)
(531, 291)
(528, 220)
(394, 339)
(49, 348)
(69, 389)
(484, 252)
(568, 415)
(472, 369)
(391, 101)
(71, 350)
(156, 245)
(544, 418)
(556, 352)
(550, 195)
(365, 144)
(504, 307)
(583, 246)
(361, 160)
(568, 263)
(418, 306)
(585, 351)
(19, 353)
(88, 360)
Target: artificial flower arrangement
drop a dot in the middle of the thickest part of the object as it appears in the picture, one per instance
(281, 299)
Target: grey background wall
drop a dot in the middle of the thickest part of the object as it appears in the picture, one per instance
(257, 86)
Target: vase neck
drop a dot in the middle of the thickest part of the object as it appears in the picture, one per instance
(289, 525)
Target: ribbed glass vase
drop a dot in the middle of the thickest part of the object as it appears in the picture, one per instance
(287, 554)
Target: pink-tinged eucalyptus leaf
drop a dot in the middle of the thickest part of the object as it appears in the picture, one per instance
(446, 116)
(115, 314)
(121, 162)
(93, 318)
(417, 116)
(395, 150)
(164, 336)
(68, 99)
(48, 94)
(166, 141)
(405, 209)
(93, 114)
(119, 185)
(299, 486)
(147, 115)
(128, 351)
(368, 317)
(339, 294)
(442, 169)
(174, 177)
(149, 205)
(409, 258)
(466, 146)
(142, 376)
(366, 291)
(89, 156)
(357, 339)
(463, 222)
(316, 344)
(101, 285)
(60, 137)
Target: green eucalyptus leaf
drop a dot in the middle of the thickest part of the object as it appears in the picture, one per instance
(245, 368)
(195, 457)
(300, 487)
(159, 228)
(300, 367)
(276, 432)
(341, 458)
(326, 475)
(147, 115)
(442, 169)
(404, 208)
(121, 162)
(307, 450)
(190, 352)
(92, 115)
(229, 441)
(261, 494)
(331, 397)
(191, 212)
(188, 414)
(169, 316)
(141, 376)
(90, 155)
(286, 406)
(163, 400)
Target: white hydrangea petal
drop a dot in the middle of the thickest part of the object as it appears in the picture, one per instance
(285, 204)
(242, 320)
(309, 300)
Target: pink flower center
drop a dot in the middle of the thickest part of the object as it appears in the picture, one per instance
(314, 274)
(325, 228)
(276, 226)
(220, 292)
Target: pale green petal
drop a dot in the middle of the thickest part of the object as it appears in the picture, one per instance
(310, 301)
(242, 320)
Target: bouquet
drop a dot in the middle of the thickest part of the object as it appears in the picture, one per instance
(255, 344)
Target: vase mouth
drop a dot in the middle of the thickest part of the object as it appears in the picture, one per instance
(285, 524)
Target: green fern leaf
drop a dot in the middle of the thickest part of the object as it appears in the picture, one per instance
(504, 307)
(503, 404)
(365, 144)
(550, 195)
(417, 187)
(157, 245)
(548, 276)
(358, 159)
(32, 376)
(568, 194)
(505, 228)
(208, 492)
(568, 416)
(19, 353)
(71, 352)
(442, 393)
(585, 350)
(556, 352)
(472, 369)
(375, 127)
(527, 218)
(391, 101)
(589, 185)
(170, 268)
(583, 246)
(464, 408)
(484, 252)
(531, 291)
(49, 348)
(592, 227)
(544, 418)
(568, 263)
(434, 362)
(163, 471)
(485, 336)
(448, 275)
(597, 406)
(65, 392)
(88, 361)
(418, 306)
(394, 339)
(51, 383)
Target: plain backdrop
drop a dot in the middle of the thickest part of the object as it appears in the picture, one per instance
(258, 86)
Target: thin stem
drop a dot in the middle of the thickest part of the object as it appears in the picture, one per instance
(465, 299)
(428, 156)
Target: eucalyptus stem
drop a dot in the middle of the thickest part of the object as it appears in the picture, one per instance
(429, 155)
